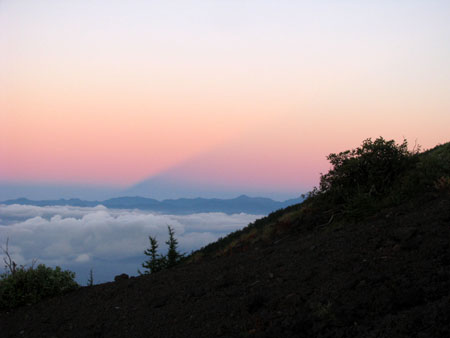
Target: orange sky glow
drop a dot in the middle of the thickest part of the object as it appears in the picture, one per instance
(252, 93)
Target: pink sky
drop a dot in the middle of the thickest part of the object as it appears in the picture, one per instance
(228, 93)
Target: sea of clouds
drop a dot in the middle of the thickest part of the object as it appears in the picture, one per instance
(109, 241)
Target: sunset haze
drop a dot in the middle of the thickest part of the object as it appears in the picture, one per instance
(242, 95)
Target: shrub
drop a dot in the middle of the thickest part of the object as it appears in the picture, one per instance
(368, 171)
(431, 172)
(29, 285)
(378, 174)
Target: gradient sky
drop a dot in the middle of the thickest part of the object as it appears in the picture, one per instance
(228, 93)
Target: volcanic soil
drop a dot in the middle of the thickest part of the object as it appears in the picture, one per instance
(385, 276)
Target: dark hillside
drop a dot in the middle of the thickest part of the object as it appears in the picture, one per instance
(376, 176)
(373, 263)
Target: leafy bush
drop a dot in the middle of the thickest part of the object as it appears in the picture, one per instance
(378, 174)
(368, 171)
(29, 285)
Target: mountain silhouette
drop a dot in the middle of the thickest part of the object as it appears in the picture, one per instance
(241, 204)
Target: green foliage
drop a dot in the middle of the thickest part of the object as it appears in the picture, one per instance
(173, 256)
(380, 174)
(365, 172)
(158, 262)
(431, 172)
(29, 285)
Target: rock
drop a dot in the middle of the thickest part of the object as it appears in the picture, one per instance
(123, 276)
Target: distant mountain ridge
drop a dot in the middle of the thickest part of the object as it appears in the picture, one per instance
(243, 203)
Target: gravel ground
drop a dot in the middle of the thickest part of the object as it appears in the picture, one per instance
(387, 276)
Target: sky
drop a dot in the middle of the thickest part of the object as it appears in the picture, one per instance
(230, 96)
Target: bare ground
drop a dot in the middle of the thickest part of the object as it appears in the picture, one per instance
(388, 276)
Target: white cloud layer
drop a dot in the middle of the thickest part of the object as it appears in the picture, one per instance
(77, 236)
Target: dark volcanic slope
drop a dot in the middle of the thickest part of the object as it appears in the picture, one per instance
(388, 276)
